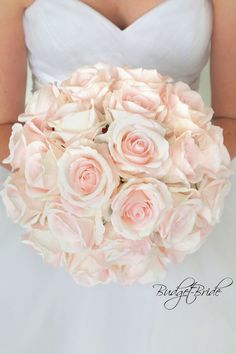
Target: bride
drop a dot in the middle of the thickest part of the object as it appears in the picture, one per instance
(42, 311)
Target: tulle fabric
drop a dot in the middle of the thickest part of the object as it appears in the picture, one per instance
(44, 311)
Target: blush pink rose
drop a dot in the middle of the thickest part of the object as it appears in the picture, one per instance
(86, 176)
(20, 208)
(138, 206)
(135, 97)
(41, 169)
(146, 269)
(46, 245)
(186, 160)
(33, 130)
(188, 96)
(89, 82)
(41, 102)
(183, 106)
(132, 261)
(44, 103)
(17, 147)
(213, 193)
(178, 228)
(35, 126)
(74, 233)
(214, 153)
(226, 167)
(138, 146)
(183, 229)
(89, 268)
(75, 120)
(151, 77)
(87, 75)
(36, 129)
(200, 152)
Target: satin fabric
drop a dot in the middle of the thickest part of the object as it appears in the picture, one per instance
(42, 311)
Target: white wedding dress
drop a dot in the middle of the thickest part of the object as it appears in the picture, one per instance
(42, 310)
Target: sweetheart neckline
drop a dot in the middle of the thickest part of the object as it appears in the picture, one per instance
(132, 24)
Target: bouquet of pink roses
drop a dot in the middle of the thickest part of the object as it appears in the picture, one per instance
(116, 172)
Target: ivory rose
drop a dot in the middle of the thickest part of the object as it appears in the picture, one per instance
(213, 193)
(186, 159)
(144, 269)
(36, 129)
(41, 169)
(46, 245)
(72, 232)
(138, 206)
(151, 77)
(87, 75)
(132, 260)
(21, 209)
(138, 146)
(43, 100)
(76, 119)
(182, 229)
(183, 107)
(195, 153)
(134, 97)
(86, 176)
(181, 91)
(17, 147)
(88, 267)
(178, 228)
(89, 82)
(216, 134)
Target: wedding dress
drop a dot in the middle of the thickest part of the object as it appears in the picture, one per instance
(42, 310)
